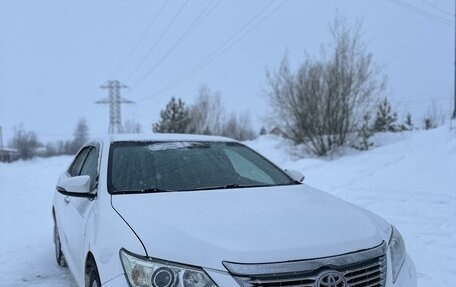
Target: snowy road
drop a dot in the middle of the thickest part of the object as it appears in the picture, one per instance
(410, 181)
(26, 248)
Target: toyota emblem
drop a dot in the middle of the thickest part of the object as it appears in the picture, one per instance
(331, 279)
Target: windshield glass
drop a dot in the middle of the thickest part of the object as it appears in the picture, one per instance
(180, 166)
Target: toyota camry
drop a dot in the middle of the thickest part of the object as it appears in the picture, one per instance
(168, 210)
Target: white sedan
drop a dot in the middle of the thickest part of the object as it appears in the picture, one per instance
(197, 211)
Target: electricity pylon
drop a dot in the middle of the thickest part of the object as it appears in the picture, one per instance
(114, 100)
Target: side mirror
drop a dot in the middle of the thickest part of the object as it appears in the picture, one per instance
(295, 174)
(77, 186)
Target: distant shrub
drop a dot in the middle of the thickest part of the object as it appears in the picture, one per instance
(365, 134)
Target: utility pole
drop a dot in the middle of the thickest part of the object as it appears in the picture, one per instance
(454, 83)
(114, 100)
(1, 138)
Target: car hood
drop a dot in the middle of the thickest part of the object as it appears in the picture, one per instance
(248, 225)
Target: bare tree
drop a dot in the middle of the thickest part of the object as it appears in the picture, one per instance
(208, 116)
(245, 126)
(131, 127)
(434, 117)
(81, 135)
(25, 142)
(207, 113)
(322, 105)
(239, 127)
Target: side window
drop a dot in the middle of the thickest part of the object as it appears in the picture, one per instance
(75, 167)
(90, 167)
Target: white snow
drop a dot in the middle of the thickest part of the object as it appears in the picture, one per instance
(26, 246)
(409, 180)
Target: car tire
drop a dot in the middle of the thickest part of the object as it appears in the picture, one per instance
(94, 280)
(59, 257)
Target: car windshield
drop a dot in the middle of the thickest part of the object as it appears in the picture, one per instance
(136, 167)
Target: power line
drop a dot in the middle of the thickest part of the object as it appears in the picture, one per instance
(138, 114)
(140, 39)
(170, 24)
(193, 26)
(437, 8)
(425, 95)
(422, 12)
(246, 33)
(424, 101)
(241, 33)
(426, 13)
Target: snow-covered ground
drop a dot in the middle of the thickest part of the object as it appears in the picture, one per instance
(410, 180)
(26, 247)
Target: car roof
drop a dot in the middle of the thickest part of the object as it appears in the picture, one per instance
(165, 137)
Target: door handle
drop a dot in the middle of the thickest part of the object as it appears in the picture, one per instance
(67, 199)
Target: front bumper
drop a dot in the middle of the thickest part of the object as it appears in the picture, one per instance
(406, 278)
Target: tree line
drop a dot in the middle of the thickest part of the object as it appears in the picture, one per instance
(331, 101)
(337, 99)
(334, 100)
(28, 145)
(206, 116)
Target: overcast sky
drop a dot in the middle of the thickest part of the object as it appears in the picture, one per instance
(55, 54)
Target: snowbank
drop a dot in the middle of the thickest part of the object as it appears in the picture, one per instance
(26, 247)
(409, 180)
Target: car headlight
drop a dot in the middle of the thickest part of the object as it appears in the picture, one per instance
(146, 272)
(397, 251)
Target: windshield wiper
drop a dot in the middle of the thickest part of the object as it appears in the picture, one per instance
(233, 185)
(158, 190)
(226, 186)
(155, 189)
(145, 190)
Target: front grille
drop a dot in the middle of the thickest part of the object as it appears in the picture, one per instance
(371, 273)
(360, 269)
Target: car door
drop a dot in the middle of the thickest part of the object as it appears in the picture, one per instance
(61, 201)
(77, 211)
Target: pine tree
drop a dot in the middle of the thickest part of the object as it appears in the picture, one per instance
(408, 125)
(385, 119)
(263, 131)
(429, 123)
(173, 119)
(364, 134)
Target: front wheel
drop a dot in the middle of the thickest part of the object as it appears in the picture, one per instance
(60, 258)
(94, 280)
